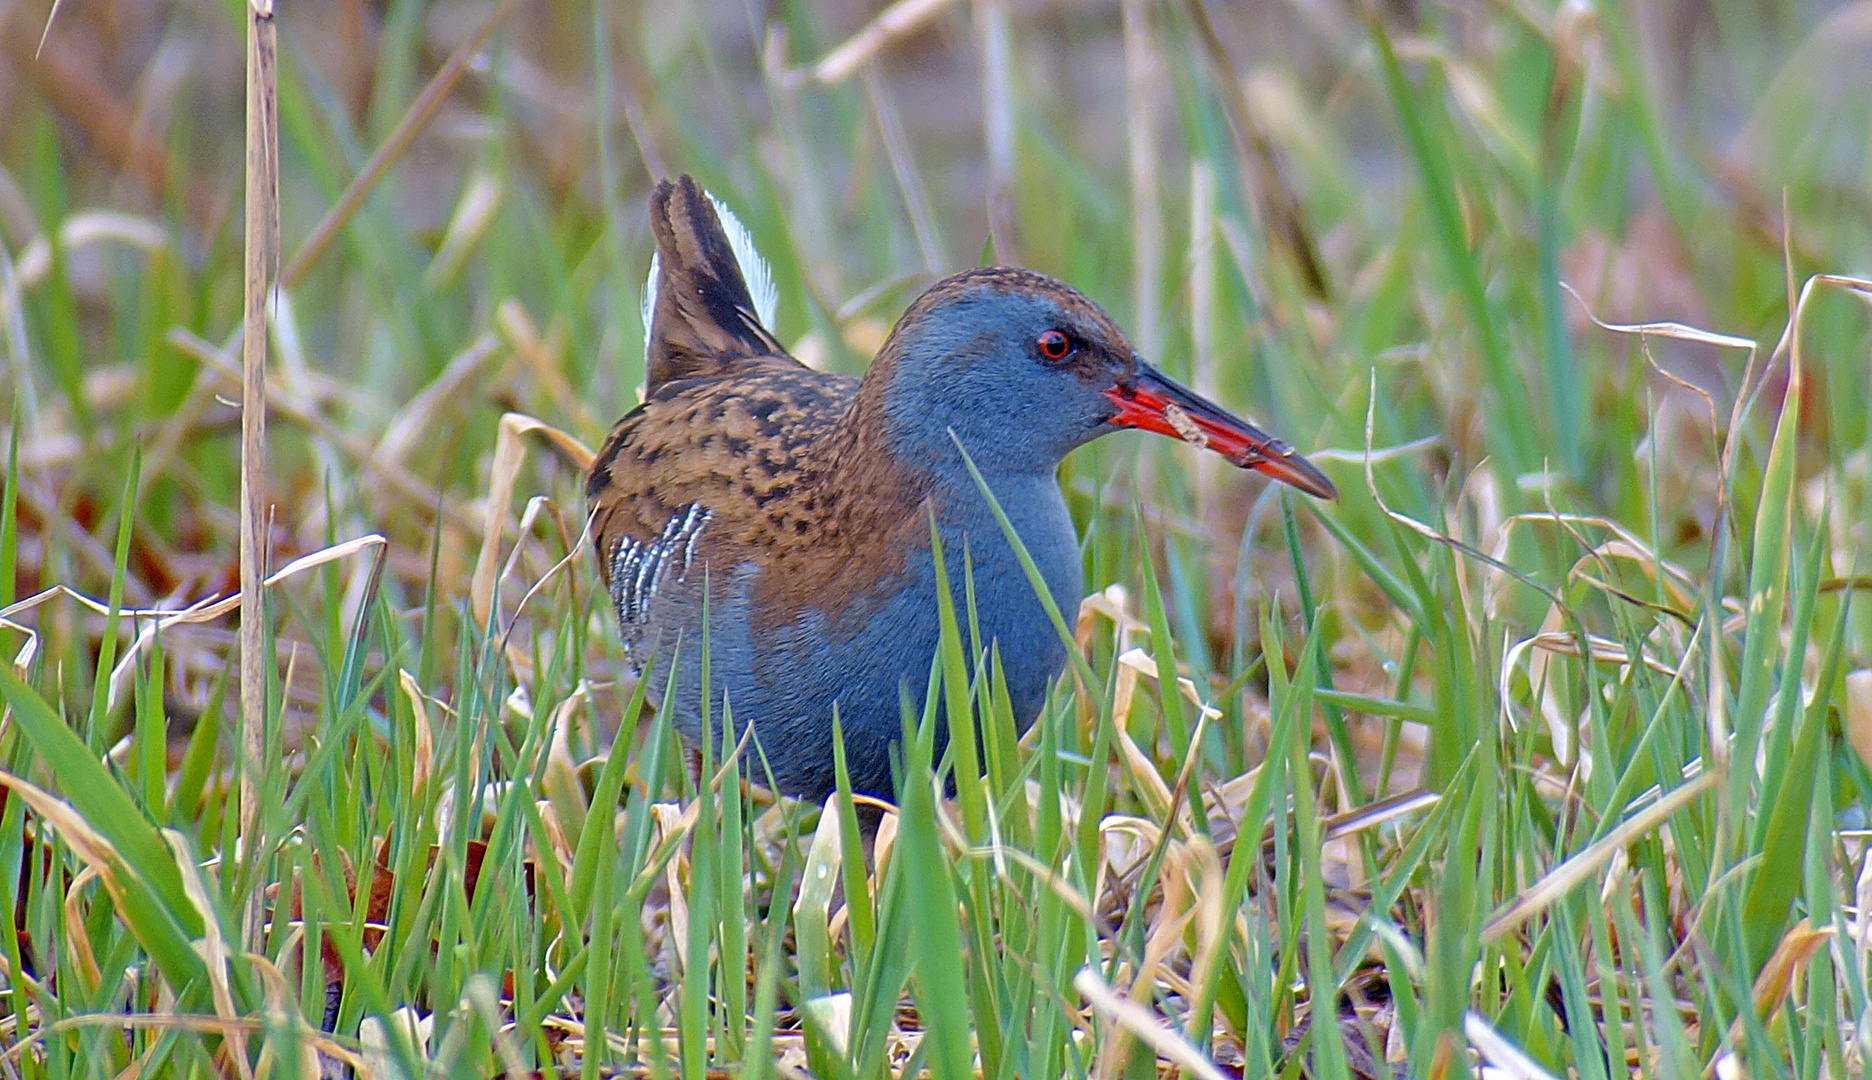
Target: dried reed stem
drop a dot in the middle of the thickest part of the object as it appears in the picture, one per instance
(262, 233)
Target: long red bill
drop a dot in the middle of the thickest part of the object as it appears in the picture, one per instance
(1157, 403)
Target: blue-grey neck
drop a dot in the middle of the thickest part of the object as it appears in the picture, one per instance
(963, 379)
(964, 387)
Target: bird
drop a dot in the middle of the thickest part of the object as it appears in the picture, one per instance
(792, 509)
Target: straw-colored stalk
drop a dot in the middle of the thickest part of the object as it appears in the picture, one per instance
(262, 232)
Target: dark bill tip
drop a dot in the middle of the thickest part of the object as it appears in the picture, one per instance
(1155, 402)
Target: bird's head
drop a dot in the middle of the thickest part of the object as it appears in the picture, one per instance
(1023, 368)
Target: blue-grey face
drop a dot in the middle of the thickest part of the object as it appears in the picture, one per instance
(1019, 366)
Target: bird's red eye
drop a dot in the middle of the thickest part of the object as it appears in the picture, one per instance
(1054, 345)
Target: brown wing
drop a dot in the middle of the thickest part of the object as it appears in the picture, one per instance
(711, 466)
(703, 323)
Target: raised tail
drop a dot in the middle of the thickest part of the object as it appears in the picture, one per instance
(702, 320)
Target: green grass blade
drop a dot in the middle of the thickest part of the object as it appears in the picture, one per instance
(156, 908)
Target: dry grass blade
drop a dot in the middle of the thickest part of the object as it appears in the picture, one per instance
(204, 611)
(1143, 1026)
(85, 956)
(412, 423)
(1182, 863)
(1371, 815)
(1377, 455)
(91, 846)
(1680, 332)
(509, 454)
(422, 753)
(574, 547)
(475, 212)
(1600, 650)
(1782, 972)
(1151, 787)
(542, 356)
(900, 20)
(1166, 799)
(1211, 941)
(163, 618)
(307, 412)
(213, 947)
(79, 231)
(1628, 546)
(1110, 603)
(1505, 1059)
(23, 659)
(1856, 718)
(46, 33)
(1675, 330)
(1137, 662)
(1563, 878)
(1046, 873)
(1418, 527)
(311, 1043)
(144, 1022)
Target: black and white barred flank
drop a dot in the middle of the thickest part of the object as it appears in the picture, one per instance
(638, 567)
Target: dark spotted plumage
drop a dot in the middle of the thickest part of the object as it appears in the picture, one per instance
(795, 507)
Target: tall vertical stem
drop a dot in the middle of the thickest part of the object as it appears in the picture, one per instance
(262, 232)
